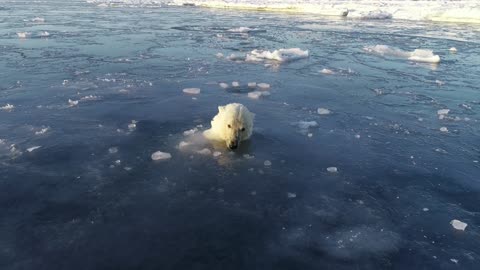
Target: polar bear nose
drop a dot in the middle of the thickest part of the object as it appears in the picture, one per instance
(232, 145)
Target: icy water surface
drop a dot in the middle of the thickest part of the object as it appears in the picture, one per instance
(79, 190)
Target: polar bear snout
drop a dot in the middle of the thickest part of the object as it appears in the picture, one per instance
(232, 144)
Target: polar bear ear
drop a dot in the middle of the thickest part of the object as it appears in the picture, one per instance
(221, 109)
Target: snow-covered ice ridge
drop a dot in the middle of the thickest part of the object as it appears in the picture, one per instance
(434, 10)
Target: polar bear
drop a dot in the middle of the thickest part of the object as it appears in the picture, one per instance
(232, 124)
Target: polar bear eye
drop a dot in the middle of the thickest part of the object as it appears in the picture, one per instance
(229, 126)
(243, 129)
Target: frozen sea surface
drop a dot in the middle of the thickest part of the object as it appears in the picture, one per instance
(84, 108)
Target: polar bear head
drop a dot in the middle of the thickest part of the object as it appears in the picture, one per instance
(232, 124)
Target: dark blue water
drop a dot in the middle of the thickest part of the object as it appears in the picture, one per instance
(92, 198)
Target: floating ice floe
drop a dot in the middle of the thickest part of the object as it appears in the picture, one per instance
(192, 91)
(418, 55)
(444, 129)
(291, 195)
(453, 49)
(440, 83)
(31, 149)
(132, 126)
(332, 169)
(224, 85)
(327, 71)
(323, 111)
(263, 86)
(38, 20)
(219, 55)
(458, 225)
(44, 34)
(307, 124)
(243, 29)
(443, 111)
(257, 94)
(234, 57)
(252, 84)
(7, 107)
(159, 155)
(425, 209)
(235, 84)
(267, 163)
(204, 151)
(281, 55)
(190, 132)
(72, 102)
(42, 131)
(23, 34)
(113, 150)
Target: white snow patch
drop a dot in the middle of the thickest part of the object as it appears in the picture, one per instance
(458, 225)
(192, 91)
(418, 55)
(159, 155)
(323, 111)
(281, 55)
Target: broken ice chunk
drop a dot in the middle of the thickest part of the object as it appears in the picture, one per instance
(159, 155)
(263, 86)
(332, 169)
(444, 129)
(192, 91)
(235, 84)
(323, 111)
(72, 102)
(7, 107)
(291, 195)
(327, 71)
(252, 84)
(31, 149)
(453, 49)
(255, 94)
(458, 225)
(267, 163)
(443, 111)
(204, 151)
(223, 85)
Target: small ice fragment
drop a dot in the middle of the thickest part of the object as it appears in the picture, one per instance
(204, 151)
(453, 49)
(90, 97)
(307, 124)
(332, 169)
(357, 136)
(440, 150)
(72, 102)
(127, 168)
(7, 107)
(38, 20)
(118, 161)
(263, 86)
(219, 55)
(255, 94)
(132, 126)
(252, 84)
(23, 34)
(190, 132)
(265, 93)
(183, 144)
(192, 91)
(223, 85)
(440, 83)
(31, 149)
(454, 260)
(247, 156)
(291, 195)
(310, 135)
(44, 34)
(323, 111)
(235, 84)
(113, 150)
(327, 71)
(458, 225)
(217, 154)
(444, 129)
(267, 163)
(443, 111)
(159, 155)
